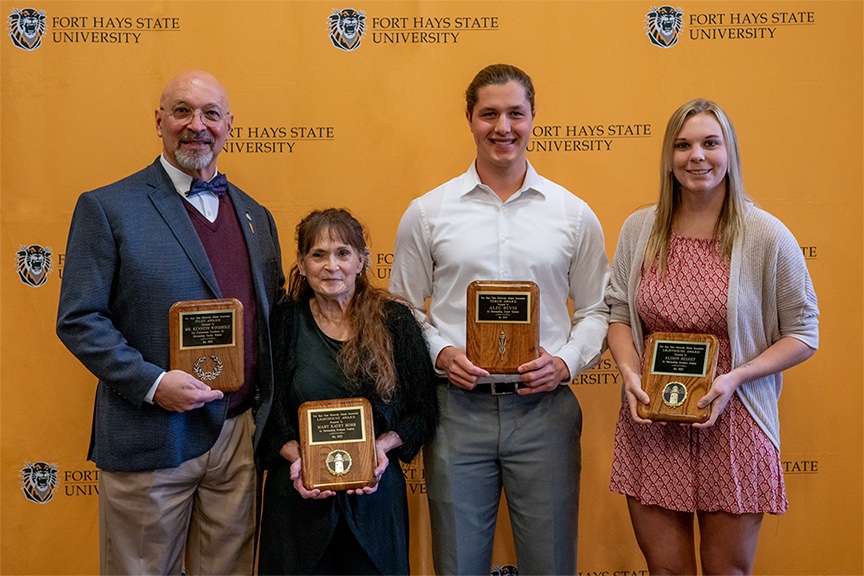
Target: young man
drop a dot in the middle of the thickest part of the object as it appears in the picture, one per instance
(503, 221)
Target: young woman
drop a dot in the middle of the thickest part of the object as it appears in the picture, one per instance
(704, 259)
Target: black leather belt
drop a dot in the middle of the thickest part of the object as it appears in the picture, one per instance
(499, 388)
(493, 388)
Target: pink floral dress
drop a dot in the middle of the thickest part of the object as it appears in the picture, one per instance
(732, 466)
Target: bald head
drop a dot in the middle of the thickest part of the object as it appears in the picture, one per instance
(191, 138)
(193, 79)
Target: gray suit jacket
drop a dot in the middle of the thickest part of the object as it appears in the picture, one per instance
(132, 252)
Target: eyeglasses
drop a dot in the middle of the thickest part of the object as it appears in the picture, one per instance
(185, 115)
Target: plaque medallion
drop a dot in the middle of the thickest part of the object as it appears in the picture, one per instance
(337, 444)
(677, 372)
(206, 339)
(674, 394)
(502, 324)
(338, 462)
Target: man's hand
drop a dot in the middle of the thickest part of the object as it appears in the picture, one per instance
(460, 371)
(543, 374)
(179, 392)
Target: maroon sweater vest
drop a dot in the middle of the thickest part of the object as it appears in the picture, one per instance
(226, 249)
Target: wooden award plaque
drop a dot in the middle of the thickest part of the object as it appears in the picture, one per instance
(678, 371)
(337, 444)
(503, 324)
(206, 339)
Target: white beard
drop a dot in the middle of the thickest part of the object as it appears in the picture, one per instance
(194, 159)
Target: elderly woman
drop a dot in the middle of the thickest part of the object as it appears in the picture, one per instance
(704, 259)
(339, 337)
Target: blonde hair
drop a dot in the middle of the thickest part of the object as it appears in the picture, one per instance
(368, 353)
(730, 222)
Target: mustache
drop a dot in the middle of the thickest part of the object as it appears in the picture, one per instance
(191, 136)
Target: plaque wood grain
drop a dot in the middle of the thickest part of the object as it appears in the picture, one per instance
(502, 324)
(677, 372)
(331, 429)
(206, 340)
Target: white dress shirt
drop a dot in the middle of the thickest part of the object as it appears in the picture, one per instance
(462, 231)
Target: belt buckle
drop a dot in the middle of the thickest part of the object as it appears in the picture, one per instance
(503, 388)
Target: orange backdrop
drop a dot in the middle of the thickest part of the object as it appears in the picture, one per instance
(371, 128)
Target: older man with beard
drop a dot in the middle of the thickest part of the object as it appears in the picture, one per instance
(178, 483)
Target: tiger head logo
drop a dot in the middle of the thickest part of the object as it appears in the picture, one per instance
(34, 264)
(664, 24)
(38, 481)
(347, 26)
(26, 28)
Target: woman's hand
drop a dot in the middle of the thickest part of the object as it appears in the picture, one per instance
(783, 354)
(718, 397)
(620, 339)
(383, 462)
(635, 395)
(291, 452)
(384, 443)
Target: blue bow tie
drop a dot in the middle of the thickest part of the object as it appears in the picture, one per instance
(217, 186)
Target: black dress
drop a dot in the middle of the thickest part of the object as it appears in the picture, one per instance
(296, 531)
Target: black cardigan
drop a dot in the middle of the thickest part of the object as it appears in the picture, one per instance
(412, 412)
